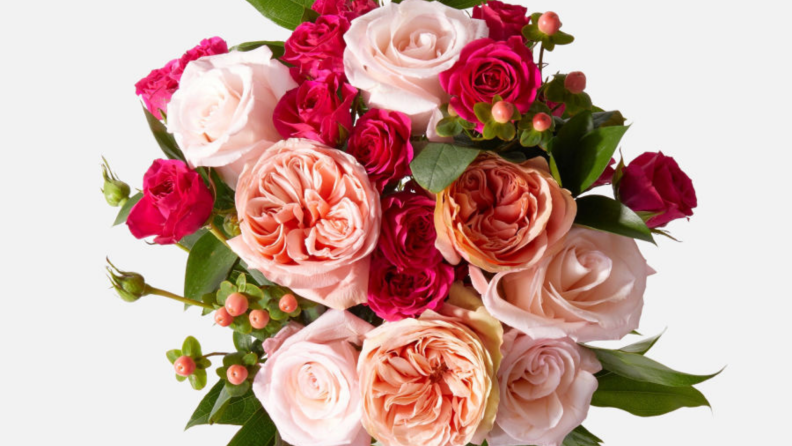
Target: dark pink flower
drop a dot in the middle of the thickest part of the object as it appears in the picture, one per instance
(317, 110)
(348, 9)
(607, 175)
(503, 20)
(380, 141)
(175, 203)
(654, 183)
(408, 232)
(488, 68)
(316, 50)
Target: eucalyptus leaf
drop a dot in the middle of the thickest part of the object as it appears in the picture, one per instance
(438, 165)
(640, 368)
(606, 214)
(165, 140)
(123, 213)
(642, 398)
(208, 265)
(259, 430)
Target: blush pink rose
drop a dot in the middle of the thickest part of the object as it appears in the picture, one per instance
(221, 116)
(654, 183)
(500, 215)
(503, 20)
(309, 384)
(318, 110)
(590, 289)
(348, 9)
(546, 387)
(309, 219)
(316, 49)
(380, 141)
(395, 54)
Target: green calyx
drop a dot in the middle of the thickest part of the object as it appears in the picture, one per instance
(116, 192)
(129, 286)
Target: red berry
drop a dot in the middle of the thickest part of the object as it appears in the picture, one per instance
(502, 112)
(237, 374)
(288, 303)
(185, 366)
(549, 23)
(259, 319)
(236, 304)
(575, 82)
(542, 122)
(222, 318)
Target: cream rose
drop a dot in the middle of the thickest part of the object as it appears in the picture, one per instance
(221, 116)
(546, 387)
(591, 289)
(309, 218)
(395, 54)
(309, 386)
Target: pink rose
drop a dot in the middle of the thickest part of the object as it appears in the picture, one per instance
(317, 110)
(309, 219)
(503, 20)
(316, 50)
(654, 183)
(502, 216)
(590, 289)
(489, 68)
(546, 387)
(408, 232)
(157, 88)
(309, 386)
(380, 141)
(222, 114)
(348, 9)
(175, 203)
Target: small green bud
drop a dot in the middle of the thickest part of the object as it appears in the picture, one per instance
(116, 192)
(129, 286)
(231, 225)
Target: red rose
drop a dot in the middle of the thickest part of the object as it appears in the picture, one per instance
(487, 68)
(316, 50)
(503, 20)
(348, 9)
(175, 203)
(408, 232)
(380, 141)
(654, 183)
(317, 110)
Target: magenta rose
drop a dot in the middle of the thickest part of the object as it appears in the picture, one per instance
(157, 88)
(488, 68)
(316, 50)
(654, 183)
(317, 110)
(348, 9)
(175, 203)
(408, 231)
(380, 141)
(503, 20)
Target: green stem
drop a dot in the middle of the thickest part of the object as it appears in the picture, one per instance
(541, 58)
(176, 297)
(219, 234)
(215, 354)
(182, 247)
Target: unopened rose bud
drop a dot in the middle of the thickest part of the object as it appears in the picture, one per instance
(129, 286)
(236, 304)
(184, 366)
(259, 319)
(237, 374)
(549, 23)
(542, 122)
(288, 303)
(116, 192)
(222, 318)
(502, 112)
(575, 82)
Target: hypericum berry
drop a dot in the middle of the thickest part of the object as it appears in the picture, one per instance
(259, 319)
(575, 82)
(502, 112)
(184, 366)
(542, 122)
(549, 23)
(222, 318)
(236, 304)
(288, 303)
(237, 374)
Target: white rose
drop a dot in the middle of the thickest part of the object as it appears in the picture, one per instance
(221, 115)
(395, 53)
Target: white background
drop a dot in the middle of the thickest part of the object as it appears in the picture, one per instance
(706, 82)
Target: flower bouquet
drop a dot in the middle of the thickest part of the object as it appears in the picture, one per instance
(409, 228)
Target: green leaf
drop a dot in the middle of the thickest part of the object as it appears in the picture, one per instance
(243, 342)
(189, 241)
(277, 47)
(640, 348)
(198, 379)
(286, 13)
(644, 399)
(259, 430)
(483, 112)
(256, 275)
(191, 347)
(165, 140)
(608, 119)
(123, 214)
(237, 391)
(250, 359)
(201, 414)
(581, 437)
(562, 38)
(438, 165)
(571, 133)
(640, 368)
(461, 4)
(173, 355)
(606, 214)
(208, 265)
(235, 411)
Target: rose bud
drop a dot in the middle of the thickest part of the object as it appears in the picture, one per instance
(236, 304)
(502, 112)
(116, 192)
(259, 319)
(288, 303)
(237, 374)
(549, 23)
(542, 122)
(575, 82)
(184, 366)
(129, 286)
(222, 318)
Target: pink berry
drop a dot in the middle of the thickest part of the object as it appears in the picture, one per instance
(259, 319)
(502, 112)
(575, 82)
(185, 366)
(288, 303)
(236, 304)
(237, 374)
(542, 122)
(222, 318)
(549, 23)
